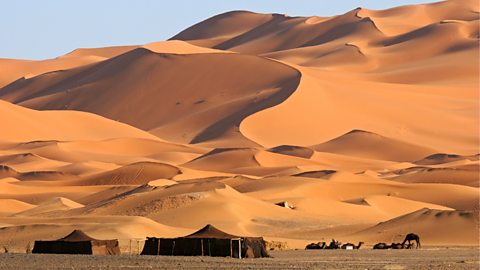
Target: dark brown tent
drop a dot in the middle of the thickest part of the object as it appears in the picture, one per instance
(77, 242)
(208, 241)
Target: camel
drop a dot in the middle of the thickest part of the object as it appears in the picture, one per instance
(412, 237)
(352, 246)
(381, 246)
(397, 246)
(319, 245)
(334, 244)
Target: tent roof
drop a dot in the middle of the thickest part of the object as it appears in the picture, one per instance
(210, 231)
(77, 235)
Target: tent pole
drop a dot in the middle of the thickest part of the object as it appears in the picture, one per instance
(240, 248)
(158, 247)
(202, 247)
(231, 248)
(173, 246)
(209, 250)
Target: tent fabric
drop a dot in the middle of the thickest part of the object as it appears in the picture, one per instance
(210, 231)
(76, 235)
(208, 241)
(77, 242)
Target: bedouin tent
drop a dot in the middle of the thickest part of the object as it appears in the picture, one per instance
(208, 241)
(77, 242)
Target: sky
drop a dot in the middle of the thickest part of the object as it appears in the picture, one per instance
(42, 29)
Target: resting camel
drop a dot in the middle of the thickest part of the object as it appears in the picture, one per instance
(319, 245)
(334, 244)
(345, 246)
(412, 237)
(397, 246)
(381, 246)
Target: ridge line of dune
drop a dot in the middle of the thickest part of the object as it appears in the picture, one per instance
(275, 100)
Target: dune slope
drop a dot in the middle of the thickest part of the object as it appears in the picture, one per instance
(211, 102)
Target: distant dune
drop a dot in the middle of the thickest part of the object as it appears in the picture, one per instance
(28, 125)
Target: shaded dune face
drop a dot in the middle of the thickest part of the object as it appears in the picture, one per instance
(291, 150)
(248, 32)
(177, 96)
(208, 33)
(441, 158)
(21, 69)
(278, 32)
(308, 41)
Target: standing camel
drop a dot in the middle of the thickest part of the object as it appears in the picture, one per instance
(412, 237)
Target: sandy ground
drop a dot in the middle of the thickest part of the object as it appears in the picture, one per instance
(298, 259)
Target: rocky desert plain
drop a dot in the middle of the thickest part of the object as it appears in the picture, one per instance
(366, 124)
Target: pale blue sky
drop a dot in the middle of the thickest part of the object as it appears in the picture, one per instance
(40, 29)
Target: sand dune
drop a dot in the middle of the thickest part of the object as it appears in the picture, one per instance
(185, 116)
(369, 145)
(197, 202)
(12, 206)
(346, 186)
(208, 34)
(132, 174)
(221, 159)
(6, 171)
(50, 206)
(440, 227)
(347, 56)
(29, 161)
(22, 69)
(353, 41)
(291, 150)
(247, 161)
(461, 175)
(106, 52)
(441, 158)
(403, 19)
(69, 125)
(127, 147)
(323, 107)
(178, 47)
(265, 37)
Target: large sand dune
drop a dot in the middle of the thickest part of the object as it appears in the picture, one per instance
(365, 125)
(23, 125)
(225, 93)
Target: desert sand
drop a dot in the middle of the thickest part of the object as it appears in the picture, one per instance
(333, 259)
(366, 122)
